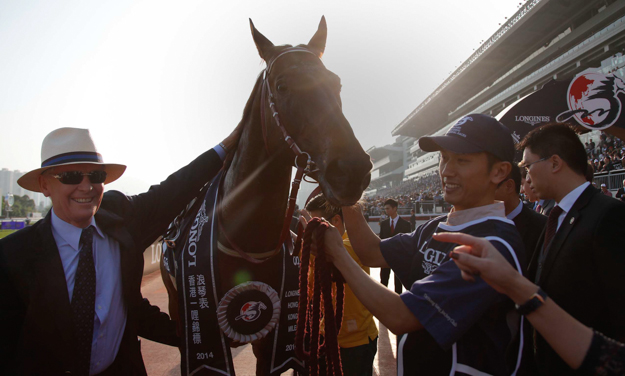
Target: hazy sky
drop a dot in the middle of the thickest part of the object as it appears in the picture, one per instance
(159, 82)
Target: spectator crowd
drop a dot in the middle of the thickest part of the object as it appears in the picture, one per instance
(607, 155)
(425, 192)
(420, 194)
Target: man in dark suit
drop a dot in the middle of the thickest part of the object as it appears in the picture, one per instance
(530, 196)
(71, 300)
(580, 257)
(394, 224)
(544, 206)
(530, 225)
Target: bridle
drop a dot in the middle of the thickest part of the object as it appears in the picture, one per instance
(303, 169)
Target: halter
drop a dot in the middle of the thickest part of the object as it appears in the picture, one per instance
(304, 168)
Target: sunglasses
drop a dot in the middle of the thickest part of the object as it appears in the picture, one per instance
(75, 177)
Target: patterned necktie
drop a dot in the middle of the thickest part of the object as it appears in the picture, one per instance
(392, 227)
(538, 208)
(83, 302)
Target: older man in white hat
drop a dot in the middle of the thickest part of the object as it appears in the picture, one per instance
(70, 300)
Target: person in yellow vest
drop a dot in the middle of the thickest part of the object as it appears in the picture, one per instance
(358, 338)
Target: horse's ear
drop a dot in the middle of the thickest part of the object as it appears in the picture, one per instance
(264, 45)
(318, 41)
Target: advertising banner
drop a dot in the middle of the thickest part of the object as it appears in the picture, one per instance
(591, 100)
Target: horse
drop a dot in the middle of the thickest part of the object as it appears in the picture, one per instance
(293, 118)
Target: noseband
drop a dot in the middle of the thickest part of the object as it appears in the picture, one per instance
(304, 168)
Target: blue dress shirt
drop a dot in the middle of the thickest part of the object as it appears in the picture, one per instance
(110, 311)
(516, 211)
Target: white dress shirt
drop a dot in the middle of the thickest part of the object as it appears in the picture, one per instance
(567, 202)
(393, 223)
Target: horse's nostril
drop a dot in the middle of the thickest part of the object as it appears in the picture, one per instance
(349, 175)
(335, 174)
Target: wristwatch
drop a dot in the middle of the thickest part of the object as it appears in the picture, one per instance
(537, 300)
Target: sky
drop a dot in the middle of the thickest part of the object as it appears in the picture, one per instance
(160, 82)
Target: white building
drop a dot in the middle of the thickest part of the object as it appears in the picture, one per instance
(543, 40)
(8, 184)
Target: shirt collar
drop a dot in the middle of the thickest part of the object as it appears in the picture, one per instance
(458, 217)
(567, 202)
(70, 233)
(516, 211)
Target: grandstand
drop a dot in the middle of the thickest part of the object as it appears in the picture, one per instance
(542, 41)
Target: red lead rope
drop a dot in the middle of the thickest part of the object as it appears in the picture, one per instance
(309, 314)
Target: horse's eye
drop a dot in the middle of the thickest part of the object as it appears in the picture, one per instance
(282, 88)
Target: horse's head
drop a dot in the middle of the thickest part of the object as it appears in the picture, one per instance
(307, 100)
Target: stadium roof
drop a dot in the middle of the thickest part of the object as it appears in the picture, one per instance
(533, 26)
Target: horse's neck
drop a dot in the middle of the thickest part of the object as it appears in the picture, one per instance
(256, 190)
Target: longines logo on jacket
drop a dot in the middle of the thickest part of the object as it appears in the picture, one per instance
(432, 258)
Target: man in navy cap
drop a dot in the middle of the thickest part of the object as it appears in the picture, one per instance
(453, 326)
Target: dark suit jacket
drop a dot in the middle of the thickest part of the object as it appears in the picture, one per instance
(530, 225)
(36, 329)
(403, 226)
(584, 271)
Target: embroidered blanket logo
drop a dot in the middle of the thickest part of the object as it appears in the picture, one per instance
(251, 311)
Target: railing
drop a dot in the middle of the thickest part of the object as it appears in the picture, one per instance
(613, 179)
(423, 207)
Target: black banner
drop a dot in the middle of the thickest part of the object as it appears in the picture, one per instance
(260, 303)
(591, 100)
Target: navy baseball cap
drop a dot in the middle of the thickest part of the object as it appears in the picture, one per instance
(474, 133)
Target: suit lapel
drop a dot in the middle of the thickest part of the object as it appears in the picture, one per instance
(570, 221)
(51, 281)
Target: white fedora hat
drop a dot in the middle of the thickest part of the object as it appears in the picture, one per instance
(67, 146)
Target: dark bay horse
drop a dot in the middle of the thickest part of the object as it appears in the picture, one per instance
(302, 96)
